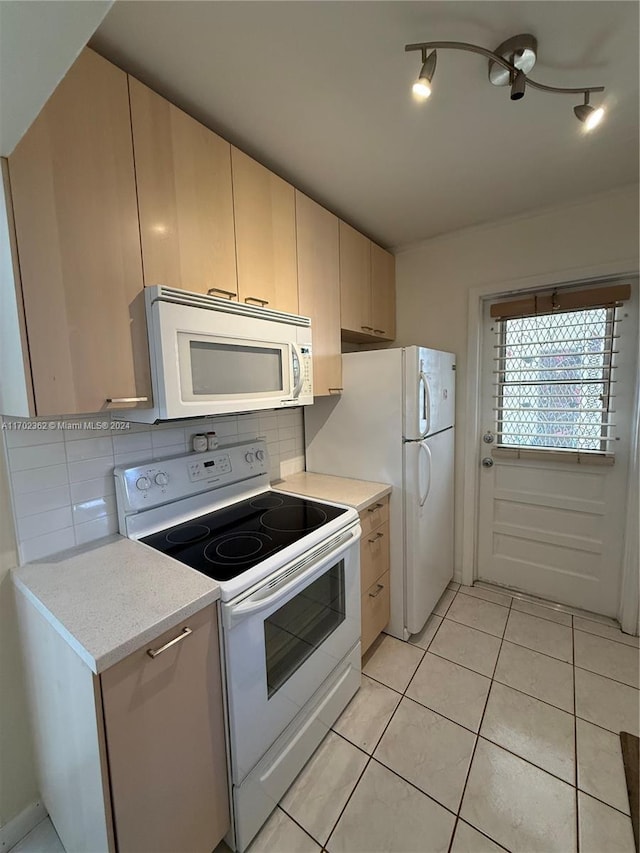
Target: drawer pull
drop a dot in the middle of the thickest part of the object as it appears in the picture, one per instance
(374, 507)
(127, 400)
(336, 390)
(380, 331)
(230, 294)
(367, 328)
(379, 588)
(261, 302)
(153, 653)
(376, 537)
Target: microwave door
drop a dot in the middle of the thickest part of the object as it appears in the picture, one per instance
(222, 374)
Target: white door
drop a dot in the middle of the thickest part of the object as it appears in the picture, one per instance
(551, 523)
(428, 496)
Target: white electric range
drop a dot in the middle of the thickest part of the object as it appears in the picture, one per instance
(289, 575)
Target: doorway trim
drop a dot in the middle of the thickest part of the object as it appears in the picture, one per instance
(630, 593)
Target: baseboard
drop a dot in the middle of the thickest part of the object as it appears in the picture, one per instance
(14, 831)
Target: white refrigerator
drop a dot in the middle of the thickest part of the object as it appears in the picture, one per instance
(394, 423)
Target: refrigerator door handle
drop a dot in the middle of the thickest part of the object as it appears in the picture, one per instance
(427, 450)
(426, 403)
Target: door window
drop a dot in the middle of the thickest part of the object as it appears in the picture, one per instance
(554, 374)
(301, 625)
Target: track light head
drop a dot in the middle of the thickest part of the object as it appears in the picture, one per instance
(518, 86)
(422, 86)
(591, 116)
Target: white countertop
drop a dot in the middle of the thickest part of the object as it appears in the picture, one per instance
(355, 493)
(109, 598)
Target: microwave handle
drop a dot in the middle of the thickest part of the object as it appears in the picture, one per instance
(299, 379)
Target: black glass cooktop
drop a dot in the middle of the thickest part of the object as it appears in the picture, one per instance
(225, 543)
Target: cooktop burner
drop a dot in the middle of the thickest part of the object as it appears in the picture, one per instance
(225, 543)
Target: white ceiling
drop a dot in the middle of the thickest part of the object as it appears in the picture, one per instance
(320, 92)
(39, 40)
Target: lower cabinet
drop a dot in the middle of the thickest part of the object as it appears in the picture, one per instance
(132, 760)
(165, 742)
(374, 570)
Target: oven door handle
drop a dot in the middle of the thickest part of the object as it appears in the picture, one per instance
(291, 582)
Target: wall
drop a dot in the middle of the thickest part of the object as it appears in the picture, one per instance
(433, 279)
(55, 33)
(59, 488)
(62, 477)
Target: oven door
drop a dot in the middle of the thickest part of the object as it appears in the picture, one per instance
(283, 641)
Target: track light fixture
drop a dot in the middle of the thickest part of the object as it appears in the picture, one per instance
(509, 65)
(422, 86)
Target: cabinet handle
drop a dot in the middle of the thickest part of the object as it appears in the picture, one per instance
(380, 331)
(367, 328)
(336, 390)
(379, 588)
(374, 507)
(261, 302)
(228, 293)
(127, 400)
(376, 537)
(153, 653)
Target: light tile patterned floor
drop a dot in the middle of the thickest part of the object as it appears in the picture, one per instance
(495, 728)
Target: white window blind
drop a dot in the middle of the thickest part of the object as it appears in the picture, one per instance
(554, 377)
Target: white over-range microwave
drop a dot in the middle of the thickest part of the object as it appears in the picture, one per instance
(211, 356)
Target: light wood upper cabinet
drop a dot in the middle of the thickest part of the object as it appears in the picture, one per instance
(367, 288)
(165, 741)
(383, 293)
(183, 177)
(319, 290)
(355, 281)
(76, 220)
(265, 219)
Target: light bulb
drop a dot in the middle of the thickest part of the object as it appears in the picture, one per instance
(590, 116)
(594, 118)
(421, 89)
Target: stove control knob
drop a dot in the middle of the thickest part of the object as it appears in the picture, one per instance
(161, 479)
(143, 483)
(260, 455)
(249, 457)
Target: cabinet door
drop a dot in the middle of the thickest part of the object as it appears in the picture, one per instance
(76, 220)
(319, 290)
(355, 282)
(376, 604)
(374, 555)
(183, 176)
(165, 740)
(265, 219)
(383, 293)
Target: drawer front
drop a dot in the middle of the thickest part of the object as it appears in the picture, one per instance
(374, 555)
(375, 610)
(374, 515)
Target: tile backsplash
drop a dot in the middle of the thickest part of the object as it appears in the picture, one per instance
(62, 477)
